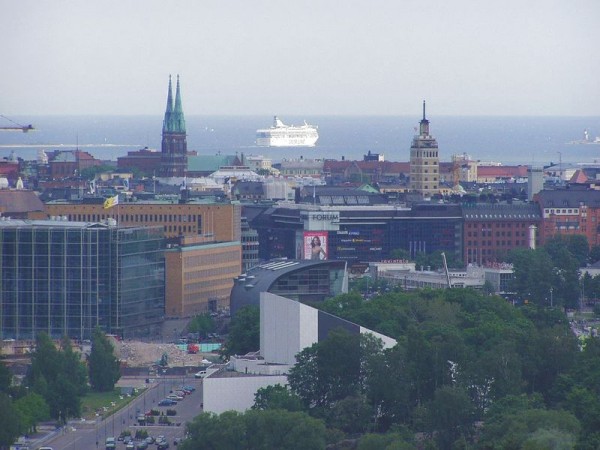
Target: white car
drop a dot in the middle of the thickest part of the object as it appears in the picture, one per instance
(175, 397)
(200, 374)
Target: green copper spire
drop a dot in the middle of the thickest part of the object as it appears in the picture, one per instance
(169, 110)
(177, 119)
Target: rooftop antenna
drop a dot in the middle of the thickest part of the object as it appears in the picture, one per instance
(423, 109)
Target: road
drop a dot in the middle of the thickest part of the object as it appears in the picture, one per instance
(92, 436)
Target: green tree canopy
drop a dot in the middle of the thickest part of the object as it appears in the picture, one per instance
(10, 426)
(103, 365)
(5, 378)
(32, 409)
(255, 430)
(276, 397)
(58, 376)
(202, 324)
(244, 332)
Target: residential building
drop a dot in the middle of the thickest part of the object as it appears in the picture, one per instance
(573, 211)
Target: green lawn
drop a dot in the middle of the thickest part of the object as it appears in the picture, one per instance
(94, 401)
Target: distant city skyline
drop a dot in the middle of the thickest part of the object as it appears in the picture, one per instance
(313, 57)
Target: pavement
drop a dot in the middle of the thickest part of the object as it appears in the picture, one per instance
(91, 434)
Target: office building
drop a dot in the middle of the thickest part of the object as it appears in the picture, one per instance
(301, 280)
(66, 278)
(492, 230)
(200, 276)
(221, 221)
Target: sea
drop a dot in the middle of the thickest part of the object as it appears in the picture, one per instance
(505, 139)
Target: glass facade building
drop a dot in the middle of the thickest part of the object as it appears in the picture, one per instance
(66, 278)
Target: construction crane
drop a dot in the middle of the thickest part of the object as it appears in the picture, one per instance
(16, 126)
(446, 271)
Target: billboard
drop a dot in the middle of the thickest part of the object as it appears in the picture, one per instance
(315, 245)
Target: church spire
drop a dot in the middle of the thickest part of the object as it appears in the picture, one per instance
(169, 109)
(178, 118)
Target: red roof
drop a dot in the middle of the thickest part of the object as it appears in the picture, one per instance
(502, 171)
(19, 201)
(579, 177)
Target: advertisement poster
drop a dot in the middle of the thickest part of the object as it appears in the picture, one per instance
(315, 245)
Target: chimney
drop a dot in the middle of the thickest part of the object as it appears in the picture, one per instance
(532, 229)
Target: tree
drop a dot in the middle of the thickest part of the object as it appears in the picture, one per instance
(534, 275)
(515, 428)
(31, 409)
(276, 397)
(254, 430)
(89, 173)
(594, 254)
(58, 376)
(281, 429)
(244, 332)
(208, 430)
(103, 364)
(351, 414)
(5, 378)
(450, 415)
(201, 324)
(9, 430)
(327, 371)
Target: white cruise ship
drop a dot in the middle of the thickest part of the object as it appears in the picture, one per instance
(281, 135)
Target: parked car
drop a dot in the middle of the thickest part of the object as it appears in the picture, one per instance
(189, 388)
(167, 402)
(175, 397)
(200, 374)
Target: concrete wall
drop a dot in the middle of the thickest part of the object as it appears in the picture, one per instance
(234, 393)
(286, 327)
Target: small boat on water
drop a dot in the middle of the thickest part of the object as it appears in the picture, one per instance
(586, 139)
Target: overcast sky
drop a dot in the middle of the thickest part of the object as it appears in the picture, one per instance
(304, 57)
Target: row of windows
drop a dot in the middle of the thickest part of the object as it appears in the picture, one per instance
(499, 243)
(212, 258)
(217, 271)
(482, 251)
(136, 218)
(204, 285)
(561, 211)
(498, 225)
(498, 233)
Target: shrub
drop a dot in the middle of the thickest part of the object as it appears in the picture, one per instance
(171, 412)
(141, 434)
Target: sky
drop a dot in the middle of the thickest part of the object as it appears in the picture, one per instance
(301, 57)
